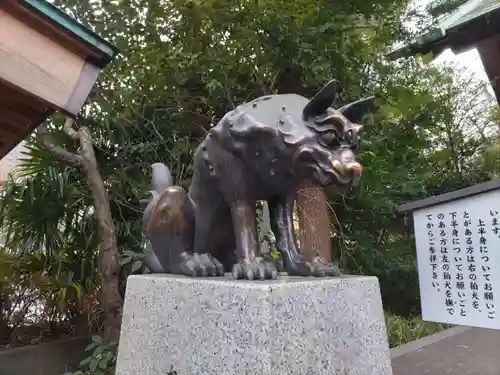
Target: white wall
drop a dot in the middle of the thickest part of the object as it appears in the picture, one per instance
(7, 165)
(10, 161)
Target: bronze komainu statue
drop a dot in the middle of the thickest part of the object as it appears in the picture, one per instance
(262, 150)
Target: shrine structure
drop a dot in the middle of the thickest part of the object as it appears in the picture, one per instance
(48, 62)
(461, 26)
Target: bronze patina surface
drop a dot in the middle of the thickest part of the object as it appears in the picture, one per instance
(262, 150)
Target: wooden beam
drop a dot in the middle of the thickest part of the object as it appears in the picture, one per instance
(20, 100)
(20, 114)
(86, 80)
(18, 109)
(465, 37)
(35, 122)
(6, 134)
(13, 129)
(14, 118)
(22, 108)
(36, 64)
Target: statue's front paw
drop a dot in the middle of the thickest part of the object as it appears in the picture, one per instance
(201, 265)
(257, 268)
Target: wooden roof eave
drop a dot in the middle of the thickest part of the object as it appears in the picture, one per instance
(34, 123)
(23, 105)
(86, 53)
(59, 19)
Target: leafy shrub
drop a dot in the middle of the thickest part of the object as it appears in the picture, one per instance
(100, 361)
(42, 300)
(395, 266)
(402, 330)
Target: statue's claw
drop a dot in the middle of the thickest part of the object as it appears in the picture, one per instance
(278, 262)
(324, 268)
(257, 269)
(319, 267)
(201, 265)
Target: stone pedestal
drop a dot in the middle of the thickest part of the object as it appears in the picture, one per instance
(217, 326)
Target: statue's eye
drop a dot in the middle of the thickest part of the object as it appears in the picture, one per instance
(329, 138)
(349, 136)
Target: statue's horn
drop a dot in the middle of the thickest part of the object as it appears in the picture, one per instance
(321, 101)
(355, 111)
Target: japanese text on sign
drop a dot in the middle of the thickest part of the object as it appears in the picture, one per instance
(458, 266)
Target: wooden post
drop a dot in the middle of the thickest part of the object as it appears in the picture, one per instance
(489, 51)
(314, 221)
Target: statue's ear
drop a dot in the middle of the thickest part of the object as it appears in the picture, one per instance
(355, 111)
(321, 101)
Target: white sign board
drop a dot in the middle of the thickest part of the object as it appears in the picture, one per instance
(458, 254)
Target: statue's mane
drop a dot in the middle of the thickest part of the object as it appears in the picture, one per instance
(259, 119)
(333, 121)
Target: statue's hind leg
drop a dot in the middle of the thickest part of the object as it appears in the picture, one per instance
(202, 262)
(151, 260)
(170, 230)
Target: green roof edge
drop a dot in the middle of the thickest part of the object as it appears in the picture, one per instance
(424, 42)
(64, 20)
(419, 45)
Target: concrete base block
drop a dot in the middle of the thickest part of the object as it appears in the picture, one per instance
(217, 326)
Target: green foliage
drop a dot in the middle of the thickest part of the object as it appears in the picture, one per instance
(184, 64)
(396, 270)
(134, 259)
(401, 330)
(40, 299)
(424, 141)
(101, 358)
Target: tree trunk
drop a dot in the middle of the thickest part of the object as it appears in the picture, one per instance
(5, 329)
(314, 222)
(109, 257)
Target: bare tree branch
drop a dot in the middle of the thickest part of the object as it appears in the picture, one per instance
(57, 151)
(68, 129)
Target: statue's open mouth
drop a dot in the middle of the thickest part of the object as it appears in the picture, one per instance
(345, 174)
